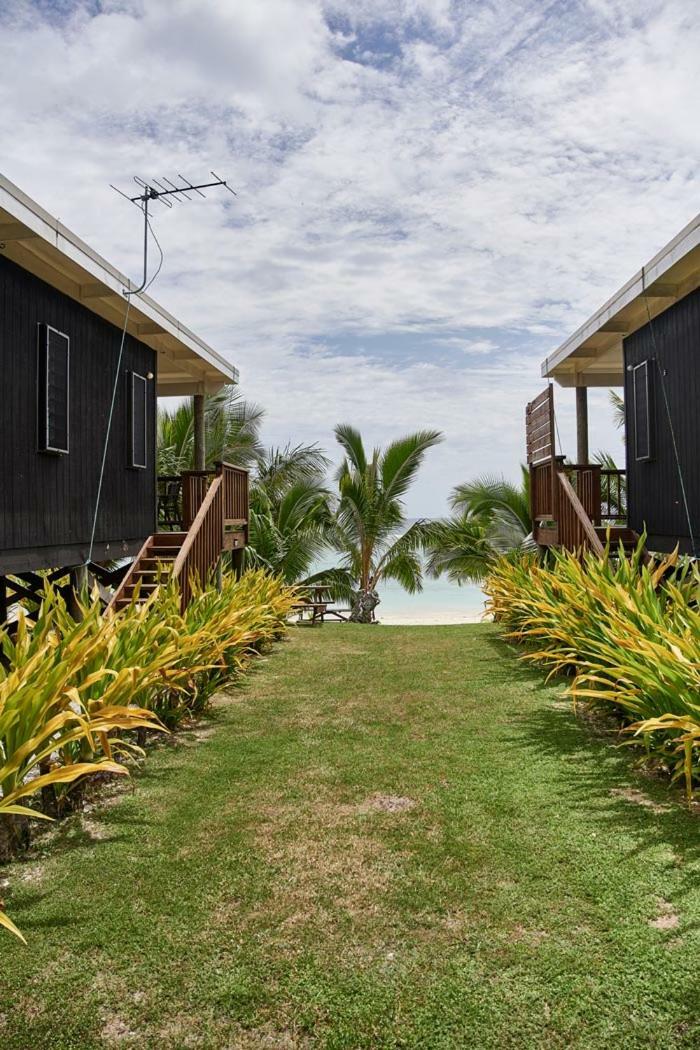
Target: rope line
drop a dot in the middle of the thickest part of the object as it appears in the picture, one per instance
(676, 455)
(109, 430)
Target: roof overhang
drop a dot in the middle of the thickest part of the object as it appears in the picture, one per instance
(39, 243)
(592, 356)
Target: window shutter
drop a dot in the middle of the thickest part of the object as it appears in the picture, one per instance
(138, 414)
(53, 390)
(641, 380)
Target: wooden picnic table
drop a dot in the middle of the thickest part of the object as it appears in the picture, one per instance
(318, 606)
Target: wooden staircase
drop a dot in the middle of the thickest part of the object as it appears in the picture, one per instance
(619, 534)
(152, 566)
(215, 519)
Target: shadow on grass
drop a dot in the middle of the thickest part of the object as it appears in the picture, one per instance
(23, 906)
(601, 768)
(506, 666)
(55, 922)
(70, 837)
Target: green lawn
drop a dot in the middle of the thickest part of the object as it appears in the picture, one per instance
(391, 837)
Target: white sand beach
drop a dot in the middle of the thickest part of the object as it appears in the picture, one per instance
(428, 619)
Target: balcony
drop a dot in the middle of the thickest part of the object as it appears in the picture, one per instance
(573, 505)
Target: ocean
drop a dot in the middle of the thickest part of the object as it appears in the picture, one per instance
(439, 602)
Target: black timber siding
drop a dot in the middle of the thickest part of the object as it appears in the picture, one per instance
(672, 346)
(47, 501)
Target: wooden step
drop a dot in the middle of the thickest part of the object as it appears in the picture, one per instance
(169, 539)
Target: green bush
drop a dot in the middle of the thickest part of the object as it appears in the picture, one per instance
(628, 632)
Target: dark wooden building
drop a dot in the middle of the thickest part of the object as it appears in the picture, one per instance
(643, 341)
(62, 315)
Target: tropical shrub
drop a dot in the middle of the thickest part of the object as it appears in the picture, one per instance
(77, 696)
(629, 633)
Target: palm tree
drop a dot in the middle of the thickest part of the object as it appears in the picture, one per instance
(369, 529)
(232, 432)
(492, 518)
(291, 517)
(278, 468)
(459, 547)
(288, 532)
(504, 505)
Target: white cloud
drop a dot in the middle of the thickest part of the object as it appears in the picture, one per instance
(481, 174)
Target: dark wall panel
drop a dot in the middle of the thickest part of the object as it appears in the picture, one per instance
(48, 500)
(671, 343)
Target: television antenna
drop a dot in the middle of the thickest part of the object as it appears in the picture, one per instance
(166, 192)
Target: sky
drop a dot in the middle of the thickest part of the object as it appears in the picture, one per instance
(431, 194)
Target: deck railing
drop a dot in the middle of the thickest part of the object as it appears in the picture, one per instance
(212, 504)
(169, 502)
(235, 493)
(575, 528)
(181, 495)
(599, 494)
(204, 543)
(568, 501)
(613, 497)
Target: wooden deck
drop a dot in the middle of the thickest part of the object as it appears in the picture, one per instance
(573, 505)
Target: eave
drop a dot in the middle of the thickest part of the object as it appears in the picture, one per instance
(40, 244)
(593, 356)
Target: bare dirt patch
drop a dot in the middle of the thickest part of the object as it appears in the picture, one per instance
(327, 868)
(667, 919)
(390, 803)
(97, 832)
(640, 799)
(116, 1032)
(534, 937)
(31, 872)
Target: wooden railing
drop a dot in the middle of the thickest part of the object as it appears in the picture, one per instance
(169, 502)
(598, 496)
(543, 490)
(568, 501)
(235, 493)
(575, 529)
(613, 497)
(181, 495)
(215, 504)
(195, 484)
(204, 542)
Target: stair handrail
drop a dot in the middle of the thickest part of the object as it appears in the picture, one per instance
(592, 537)
(118, 591)
(203, 543)
(196, 526)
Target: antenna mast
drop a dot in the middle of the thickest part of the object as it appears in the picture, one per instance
(166, 191)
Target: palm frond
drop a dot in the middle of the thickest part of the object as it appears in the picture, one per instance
(461, 549)
(618, 406)
(401, 461)
(404, 566)
(350, 440)
(489, 495)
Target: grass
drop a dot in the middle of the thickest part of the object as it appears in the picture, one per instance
(393, 837)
